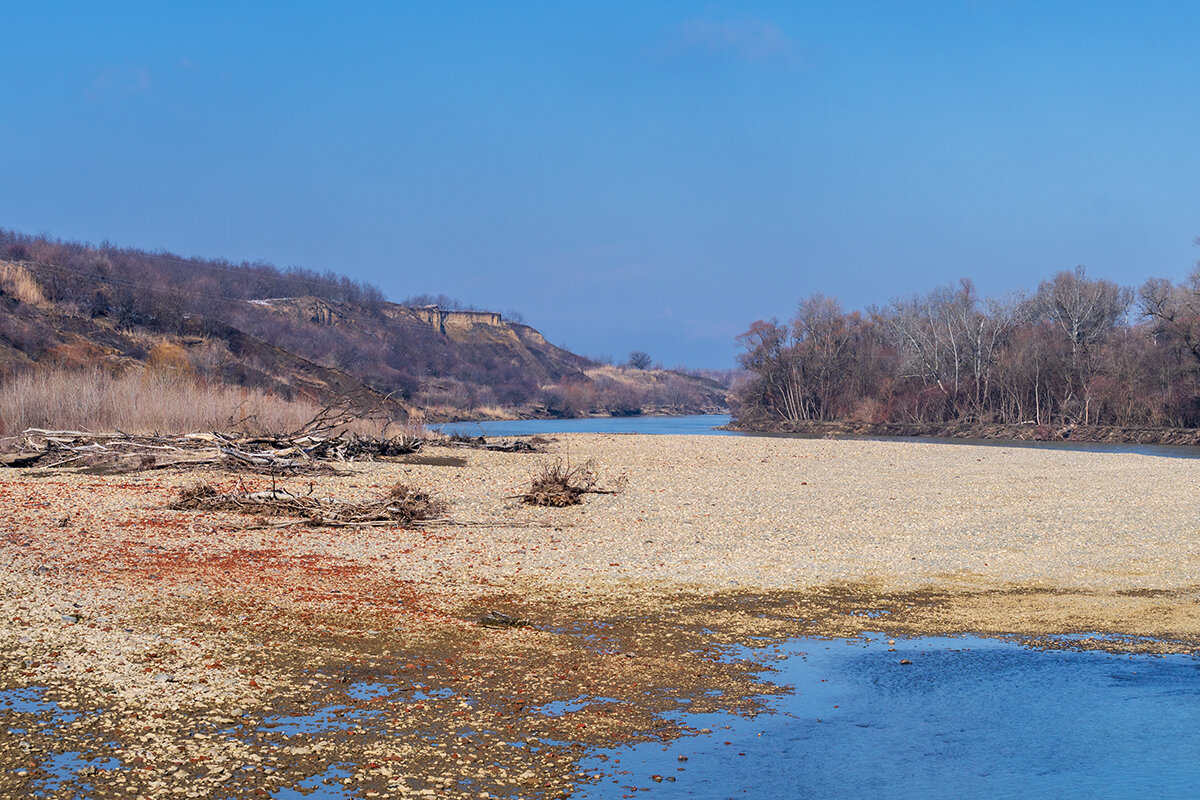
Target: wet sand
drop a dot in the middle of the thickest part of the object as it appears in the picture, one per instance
(181, 638)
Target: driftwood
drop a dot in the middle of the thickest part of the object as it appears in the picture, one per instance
(494, 619)
(481, 443)
(120, 452)
(401, 504)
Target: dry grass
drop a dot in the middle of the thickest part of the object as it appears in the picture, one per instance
(18, 282)
(140, 402)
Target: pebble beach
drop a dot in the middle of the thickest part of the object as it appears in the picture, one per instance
(169, 651)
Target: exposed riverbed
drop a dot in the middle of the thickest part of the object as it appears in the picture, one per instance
(190, 650)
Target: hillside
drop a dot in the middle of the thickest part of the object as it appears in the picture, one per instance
(302, 335)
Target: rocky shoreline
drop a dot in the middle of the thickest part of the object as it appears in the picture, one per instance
(1024, 432)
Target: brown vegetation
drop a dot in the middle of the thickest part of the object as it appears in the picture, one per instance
(16, 281)
(401, 504)
(141, 402)
(1067, 355)
(559, 484)
(300, 334)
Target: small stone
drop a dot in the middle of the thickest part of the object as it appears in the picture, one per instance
(163, 677)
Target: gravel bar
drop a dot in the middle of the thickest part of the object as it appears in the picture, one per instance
(157, 651)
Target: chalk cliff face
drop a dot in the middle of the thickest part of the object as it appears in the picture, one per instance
(446, 321)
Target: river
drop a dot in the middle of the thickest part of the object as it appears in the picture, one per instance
(710, 424)
(968, 717)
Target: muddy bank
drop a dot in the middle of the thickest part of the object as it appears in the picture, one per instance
(1027, 432)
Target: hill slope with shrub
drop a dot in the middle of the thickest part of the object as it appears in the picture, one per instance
(301, 335)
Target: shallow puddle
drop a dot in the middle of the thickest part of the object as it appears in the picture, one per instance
(967, 717)
(326, 785)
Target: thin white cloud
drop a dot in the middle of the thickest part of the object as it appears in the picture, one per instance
(750, 39)
(118, 82)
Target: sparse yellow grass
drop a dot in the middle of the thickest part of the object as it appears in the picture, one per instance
(492, 412)
(625, 375)
(150, 401)
(17, 281)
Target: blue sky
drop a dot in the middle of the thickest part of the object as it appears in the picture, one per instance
(631, 175)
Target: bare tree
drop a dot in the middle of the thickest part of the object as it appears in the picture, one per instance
(928, 331)
(823, 342)
(1175, 310)
(640, 360)
(778, 385)
(1086, 312)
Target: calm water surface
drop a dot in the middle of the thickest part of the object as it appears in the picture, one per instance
(695, 423)
(969, 718)
(707, 424)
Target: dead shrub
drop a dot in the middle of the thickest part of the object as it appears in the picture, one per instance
(405, 438)
(402, 503)
(560, 484)
(411, 504)
(192, 496)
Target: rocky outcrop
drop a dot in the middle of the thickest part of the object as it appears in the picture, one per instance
(446, 321)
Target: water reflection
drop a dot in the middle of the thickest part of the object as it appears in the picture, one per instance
(966, 718)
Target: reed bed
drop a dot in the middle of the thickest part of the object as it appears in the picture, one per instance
(141, 402)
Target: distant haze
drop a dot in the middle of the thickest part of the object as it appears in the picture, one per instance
(629, 176)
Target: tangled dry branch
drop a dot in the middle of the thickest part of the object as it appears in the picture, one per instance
(560, 484)
(401, 504)
(120, 452)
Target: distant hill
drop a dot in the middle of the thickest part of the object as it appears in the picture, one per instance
(299, 333)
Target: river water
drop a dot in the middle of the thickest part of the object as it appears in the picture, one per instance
(709, 424)
(693, 424)
(967, 718)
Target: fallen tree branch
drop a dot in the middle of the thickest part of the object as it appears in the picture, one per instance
(401, 504)
(120, 452)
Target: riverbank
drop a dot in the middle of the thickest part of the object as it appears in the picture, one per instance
(219, 655)
(1024, 432)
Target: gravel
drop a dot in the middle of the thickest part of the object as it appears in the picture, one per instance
(183, 621)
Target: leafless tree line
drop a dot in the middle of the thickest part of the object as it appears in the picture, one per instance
(1079, 350)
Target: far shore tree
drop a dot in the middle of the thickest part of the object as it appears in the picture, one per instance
(1070, 354)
